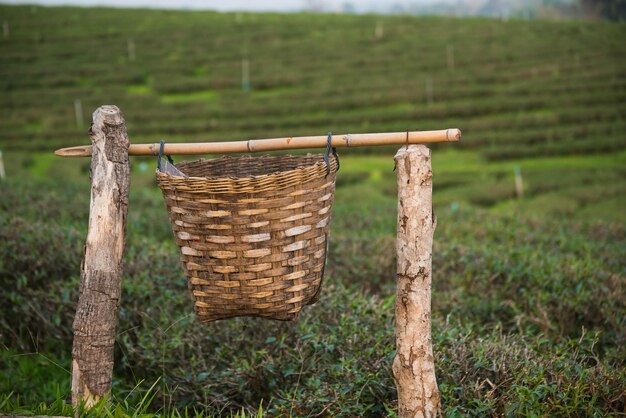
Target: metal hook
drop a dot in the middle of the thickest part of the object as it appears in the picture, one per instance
(329, 147)
(169, 157)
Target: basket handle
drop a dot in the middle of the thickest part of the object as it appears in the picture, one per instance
(316, 296)
(329, 147)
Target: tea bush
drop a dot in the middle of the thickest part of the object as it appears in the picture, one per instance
(528, 319)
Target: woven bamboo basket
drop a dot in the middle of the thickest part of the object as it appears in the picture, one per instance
(252, 231)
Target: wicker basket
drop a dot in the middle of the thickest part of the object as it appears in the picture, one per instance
(252, 231)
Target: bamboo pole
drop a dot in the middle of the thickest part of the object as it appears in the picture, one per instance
(413, 365)
(275, 144)
(101, 269)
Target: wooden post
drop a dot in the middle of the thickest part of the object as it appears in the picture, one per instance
(245, 75)
(130, 45)
(450, 55)
(101, 270)
(430, 90)
(78, 113)
(413, 365)
(2, 172)
(519, 182)
(380, 30)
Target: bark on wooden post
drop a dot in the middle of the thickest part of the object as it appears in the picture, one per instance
(413, 365)
(101, 270)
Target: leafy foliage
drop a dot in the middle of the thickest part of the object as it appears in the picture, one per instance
(528, 319)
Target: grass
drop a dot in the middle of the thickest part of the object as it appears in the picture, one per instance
(133, 405)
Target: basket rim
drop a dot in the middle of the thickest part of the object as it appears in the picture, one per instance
(317, 165)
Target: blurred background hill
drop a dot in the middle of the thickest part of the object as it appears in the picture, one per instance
(543, 98)
(555, 9)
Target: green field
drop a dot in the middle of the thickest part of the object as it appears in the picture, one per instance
(529, 292)
(517, 89)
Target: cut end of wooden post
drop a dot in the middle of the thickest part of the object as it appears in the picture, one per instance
(111, 114)
(414, 148)
(80, 151)
(454, 135)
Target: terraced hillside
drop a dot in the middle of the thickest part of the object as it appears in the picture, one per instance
(516, 88)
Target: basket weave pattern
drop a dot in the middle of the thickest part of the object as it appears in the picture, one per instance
(252, 232)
